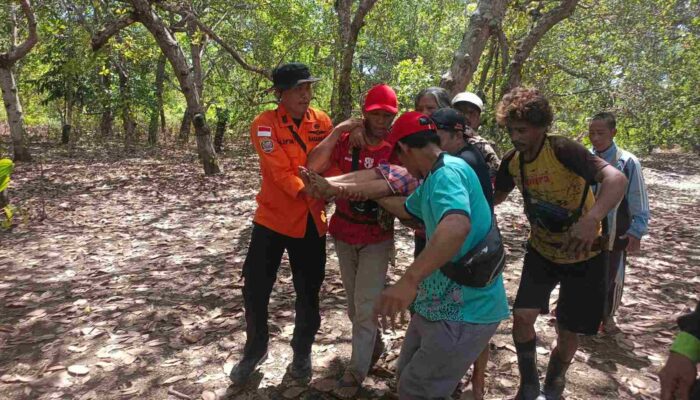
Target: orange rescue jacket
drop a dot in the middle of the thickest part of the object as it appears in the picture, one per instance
(281, 206)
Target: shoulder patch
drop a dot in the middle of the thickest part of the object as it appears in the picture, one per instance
(267, 145)
(264, 131)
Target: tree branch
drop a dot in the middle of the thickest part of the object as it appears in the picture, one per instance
(543, 25)
(189, 15)
(571, 71)
(110, 30)
(20, 51)
(236, 56)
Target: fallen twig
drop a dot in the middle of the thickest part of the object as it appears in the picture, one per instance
(178, 394)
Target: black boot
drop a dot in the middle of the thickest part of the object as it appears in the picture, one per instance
(241, 372)
(300, 367)
(555, 380)
(527, 364)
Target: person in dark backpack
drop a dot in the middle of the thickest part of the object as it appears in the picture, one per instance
(472, 106)
(629, 221)
(364, 247)
(554, 175)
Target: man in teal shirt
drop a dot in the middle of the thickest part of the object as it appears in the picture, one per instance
(452, 322)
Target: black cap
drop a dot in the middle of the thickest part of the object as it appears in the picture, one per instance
(449, 119)
(290, 75)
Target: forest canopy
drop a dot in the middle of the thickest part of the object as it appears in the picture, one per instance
(638, 59)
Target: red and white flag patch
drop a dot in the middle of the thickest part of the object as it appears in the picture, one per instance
(264, 131)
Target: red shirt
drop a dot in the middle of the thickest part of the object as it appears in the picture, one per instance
(341, 228)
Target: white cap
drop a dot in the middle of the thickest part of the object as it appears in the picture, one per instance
(470, 98)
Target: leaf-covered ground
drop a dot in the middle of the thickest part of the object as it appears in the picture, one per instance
(123, 280)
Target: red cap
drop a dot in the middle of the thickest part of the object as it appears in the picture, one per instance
(409, 123)
(381, 97)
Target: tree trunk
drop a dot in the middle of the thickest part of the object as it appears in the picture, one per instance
(157, 111)
(13, 108)
(185, 126)
(65, 133)
(172, 50)
(196, 49)
(10, 97)
(128, 123)
(170, 47)
(107, 119)
(482, 24)
(222, 115)
(526, 45)
(348, 32)
(106, 122)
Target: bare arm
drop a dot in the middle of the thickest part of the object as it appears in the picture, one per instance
(612, 189)
(395, 205)
(585, 231)
(448, 238)
(499, 197)
(445, 242)
(319, 159)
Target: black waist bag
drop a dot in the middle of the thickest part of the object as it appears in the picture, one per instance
(482, 264)
(367, 208)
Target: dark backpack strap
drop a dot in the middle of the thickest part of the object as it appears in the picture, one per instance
(526, 194)
(355, 158)
(297, 138)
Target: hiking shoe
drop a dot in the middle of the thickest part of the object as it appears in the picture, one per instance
(241, 372)
(300, 367)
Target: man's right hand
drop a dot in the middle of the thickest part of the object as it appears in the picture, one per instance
(357, 137)
(677, 377)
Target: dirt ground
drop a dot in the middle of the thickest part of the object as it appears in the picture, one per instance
(123, 280)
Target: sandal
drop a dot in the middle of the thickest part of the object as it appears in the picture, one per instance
(348, 386)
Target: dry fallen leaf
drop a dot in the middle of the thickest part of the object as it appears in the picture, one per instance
(208, 395)
(77, 349)
(107, 367)
(173, 379)
(16, 379)
(228, 366)
(193, 336)
(78, 369)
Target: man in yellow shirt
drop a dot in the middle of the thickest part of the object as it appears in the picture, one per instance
(554, 175)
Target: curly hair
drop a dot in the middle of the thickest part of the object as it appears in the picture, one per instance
(524, 104)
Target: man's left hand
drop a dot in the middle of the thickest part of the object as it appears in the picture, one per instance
(357, 137)
(581, 236)
(395, 300)
(677, 377)
(634, 244)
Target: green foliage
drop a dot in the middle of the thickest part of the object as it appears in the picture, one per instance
(640, 59)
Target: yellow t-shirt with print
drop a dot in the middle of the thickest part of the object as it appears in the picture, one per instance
(555, 182)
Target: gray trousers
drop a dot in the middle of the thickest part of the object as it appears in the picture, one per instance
(436, 354)
(363, 271)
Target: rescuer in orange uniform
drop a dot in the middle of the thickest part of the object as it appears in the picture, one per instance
(288, 218)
